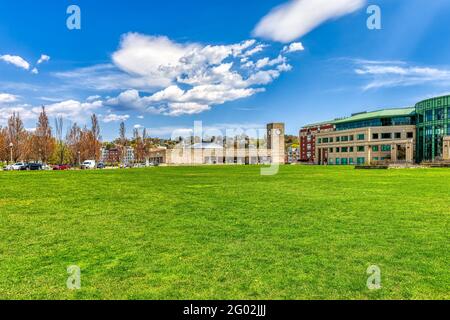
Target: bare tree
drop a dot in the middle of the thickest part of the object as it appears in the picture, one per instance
(16, 136)
(59, 125)
(95, 135)
(3, 144)
(73, 138)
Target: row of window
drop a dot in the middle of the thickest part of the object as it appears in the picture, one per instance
(346, 161)
(382, 122)
(359, 137)
(388, 136)
(437, 114)
(362, 137)
(351, 161)
(384, 148)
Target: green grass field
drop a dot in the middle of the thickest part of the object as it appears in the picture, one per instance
(225, 233)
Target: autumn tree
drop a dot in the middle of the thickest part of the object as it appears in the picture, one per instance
(43, 143)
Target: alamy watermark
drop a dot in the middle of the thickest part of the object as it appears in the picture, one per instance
(374, 279)
(74, 279)
(73, 22)
(374, 20)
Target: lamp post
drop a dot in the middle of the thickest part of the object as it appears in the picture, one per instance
(11, 145)
(79, 158)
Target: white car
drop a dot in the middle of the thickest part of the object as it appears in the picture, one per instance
(18, 166)
(88, 164)
(7, 168)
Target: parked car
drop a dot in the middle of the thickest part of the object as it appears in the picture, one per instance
(101, 165)
(46, 167)
(61, 167)
(88, 164)
(19, 166)
(7, 168)
(33, 166)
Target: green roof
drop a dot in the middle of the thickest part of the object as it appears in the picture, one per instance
(385, 113)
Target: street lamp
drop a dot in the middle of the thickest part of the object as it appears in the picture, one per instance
(11, 145)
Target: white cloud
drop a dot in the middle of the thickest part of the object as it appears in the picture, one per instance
(35, 71)
(293, 47)
(115, 118)
(71, 109)
(43, 58)
(160, 76)
(7, 98)
(192, 77)
(24, 111)
(16, 60)
(394, 74)
(93, 98)
(138, 126)
(296, 18)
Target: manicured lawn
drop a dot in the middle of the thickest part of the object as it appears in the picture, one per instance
(225, 233)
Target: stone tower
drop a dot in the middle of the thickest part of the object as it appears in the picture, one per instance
(275, 142)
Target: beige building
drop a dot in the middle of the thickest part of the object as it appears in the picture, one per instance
(272, 151)
(366, 145)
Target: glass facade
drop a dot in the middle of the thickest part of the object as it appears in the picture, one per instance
(381, 122)
(433, 123)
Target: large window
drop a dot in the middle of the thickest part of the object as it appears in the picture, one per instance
(385, 148)
(429, 115)
(344, 149)
(361, 148)
(361, 160)
(375, 148)
(361, 137)
(344, 161)
(386, 136)
(440, 114)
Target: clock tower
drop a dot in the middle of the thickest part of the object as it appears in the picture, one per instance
(275, 142)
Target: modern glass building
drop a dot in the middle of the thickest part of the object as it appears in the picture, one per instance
(433, 124)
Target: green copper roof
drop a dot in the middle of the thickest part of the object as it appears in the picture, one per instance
(385, 113)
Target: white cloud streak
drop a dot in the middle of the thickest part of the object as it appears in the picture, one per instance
(394, 74)
(296, 18)
(16, 61)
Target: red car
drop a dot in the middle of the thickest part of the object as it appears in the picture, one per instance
(61, 167)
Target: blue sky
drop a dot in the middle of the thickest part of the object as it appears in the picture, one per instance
(164, 65)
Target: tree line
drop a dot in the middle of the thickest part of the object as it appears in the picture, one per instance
(74, 145)
(46, 145)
